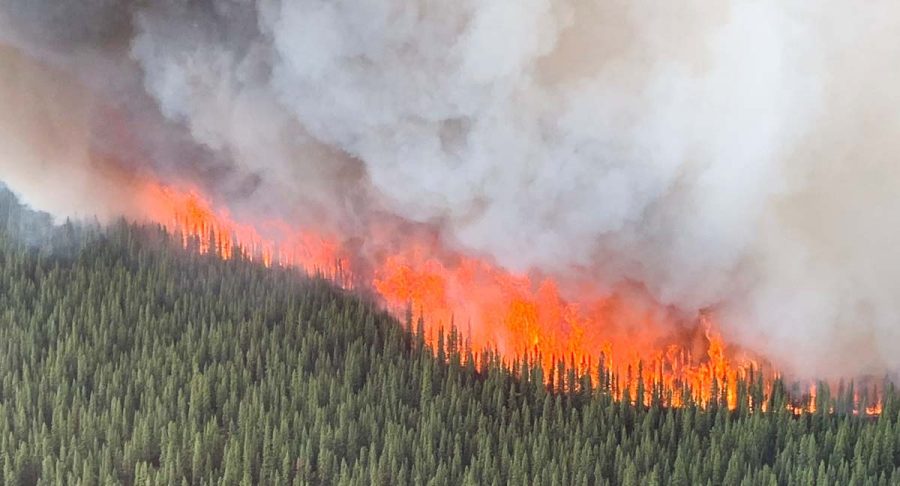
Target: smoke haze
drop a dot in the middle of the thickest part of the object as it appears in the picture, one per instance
(735, 155)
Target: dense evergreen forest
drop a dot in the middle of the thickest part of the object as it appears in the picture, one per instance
(126, 359)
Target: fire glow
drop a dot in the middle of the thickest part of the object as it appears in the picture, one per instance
(515, 315)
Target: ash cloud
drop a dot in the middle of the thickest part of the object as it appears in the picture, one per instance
(730, 155)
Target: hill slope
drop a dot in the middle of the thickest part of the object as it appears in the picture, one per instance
(126, 359)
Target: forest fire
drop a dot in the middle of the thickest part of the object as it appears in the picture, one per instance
(400, 242)
(640, 347)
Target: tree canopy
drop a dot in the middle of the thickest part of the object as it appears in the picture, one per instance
(127, 359)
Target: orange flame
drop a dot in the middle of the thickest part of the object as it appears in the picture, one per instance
(189, 213)
(493, 309)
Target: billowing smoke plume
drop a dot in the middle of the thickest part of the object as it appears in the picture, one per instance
(736, 155)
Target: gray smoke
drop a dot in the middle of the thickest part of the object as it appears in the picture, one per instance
(734, 155)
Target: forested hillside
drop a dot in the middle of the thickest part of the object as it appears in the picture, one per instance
(126, 359)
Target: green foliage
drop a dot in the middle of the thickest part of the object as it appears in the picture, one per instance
(132, 361)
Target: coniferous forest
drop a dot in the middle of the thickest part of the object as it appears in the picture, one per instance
(127, 359)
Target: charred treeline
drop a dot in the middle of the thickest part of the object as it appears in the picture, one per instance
(134, 361)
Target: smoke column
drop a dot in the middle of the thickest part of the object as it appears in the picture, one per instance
(736, 155)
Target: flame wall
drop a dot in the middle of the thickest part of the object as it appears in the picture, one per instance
(494, 310)
(655, 158)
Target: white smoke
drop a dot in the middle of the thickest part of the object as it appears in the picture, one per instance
(736, 155)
